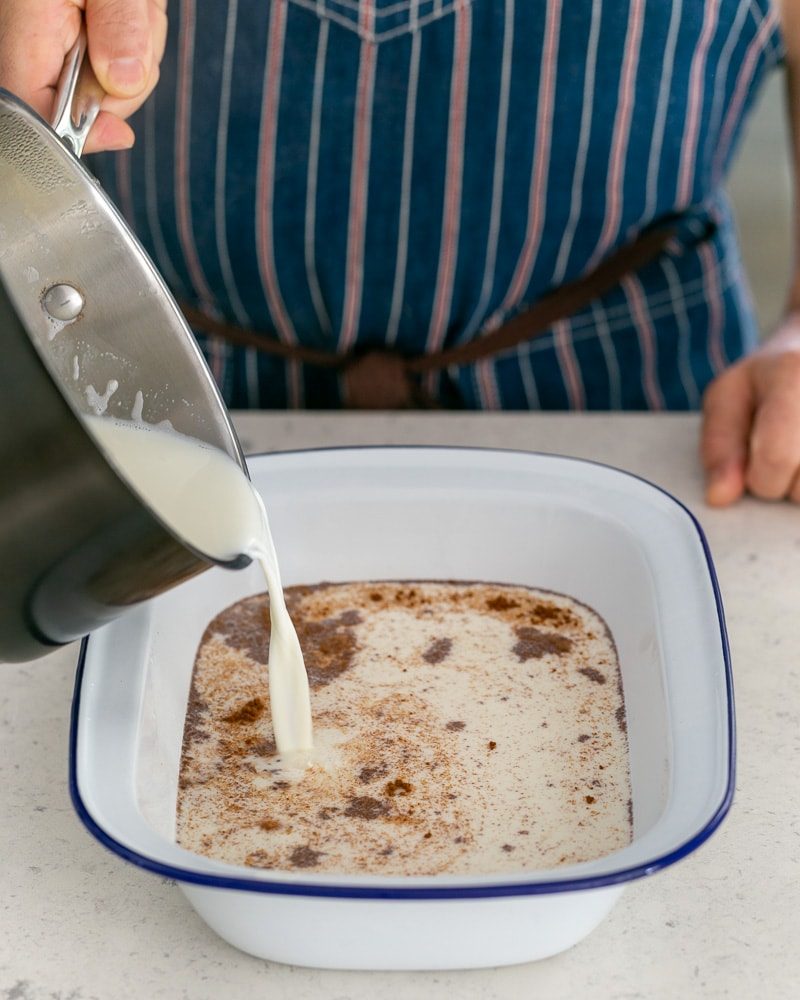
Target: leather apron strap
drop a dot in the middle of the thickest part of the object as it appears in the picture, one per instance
(381, 379)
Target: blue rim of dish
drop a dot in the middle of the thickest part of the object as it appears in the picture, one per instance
(496, 890)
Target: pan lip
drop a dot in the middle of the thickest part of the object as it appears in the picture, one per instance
(92, 448)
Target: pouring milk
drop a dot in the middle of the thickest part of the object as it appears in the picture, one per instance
(202, 495)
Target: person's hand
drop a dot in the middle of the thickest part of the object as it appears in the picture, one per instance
(126, 42)
(751, 423)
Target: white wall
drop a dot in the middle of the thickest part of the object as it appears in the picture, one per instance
(760, 188)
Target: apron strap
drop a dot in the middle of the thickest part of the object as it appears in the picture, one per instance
(382, 379)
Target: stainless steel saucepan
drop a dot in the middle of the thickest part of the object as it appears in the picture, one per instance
(86, 323)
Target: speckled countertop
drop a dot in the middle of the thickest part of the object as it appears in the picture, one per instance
(77, 923)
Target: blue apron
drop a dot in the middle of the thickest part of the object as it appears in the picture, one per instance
(348, 174)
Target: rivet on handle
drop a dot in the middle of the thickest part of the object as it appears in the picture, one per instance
(63, 302)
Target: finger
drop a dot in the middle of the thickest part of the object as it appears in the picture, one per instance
(158, 28)
(124, 109)
(774, 453)
(794, 491)
(727, 417)
(109, 133)
(120, 45)
(32, 52)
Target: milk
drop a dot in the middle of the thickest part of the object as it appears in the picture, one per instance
(205, 499)
(467, 728)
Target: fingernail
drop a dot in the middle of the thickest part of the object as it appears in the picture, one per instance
(718, 485)
(127, 75)
(717, 474)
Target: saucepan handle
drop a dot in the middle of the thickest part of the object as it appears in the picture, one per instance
(78, 97)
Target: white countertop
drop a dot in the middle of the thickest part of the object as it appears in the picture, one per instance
(78, 923)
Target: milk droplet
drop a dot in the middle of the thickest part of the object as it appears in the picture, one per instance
(56, 326)
(97, 403)
(76, 368)
(138, 407)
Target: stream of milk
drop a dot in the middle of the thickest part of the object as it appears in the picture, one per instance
(203, 496)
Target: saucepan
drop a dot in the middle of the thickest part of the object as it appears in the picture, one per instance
(87, 327)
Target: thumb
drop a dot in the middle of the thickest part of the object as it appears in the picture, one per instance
(727, 418)
(120, 46)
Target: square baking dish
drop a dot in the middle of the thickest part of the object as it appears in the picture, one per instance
(624, 547)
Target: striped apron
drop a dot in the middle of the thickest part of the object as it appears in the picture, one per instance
(410, 174)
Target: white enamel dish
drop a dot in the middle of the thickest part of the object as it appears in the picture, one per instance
(615, 542)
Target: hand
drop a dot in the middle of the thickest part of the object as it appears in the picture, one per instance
(751, 423)
(126, 42)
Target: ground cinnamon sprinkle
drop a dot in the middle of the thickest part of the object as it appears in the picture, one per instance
(368, 774)
(196, 718)
(500, 603)
(328, 646)
(553, 615)
(304, 857)
(534, 644)
(365, 807)
(438, 651)
(246, 627)
(249, 712)
(258, 859)
(398, 787)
